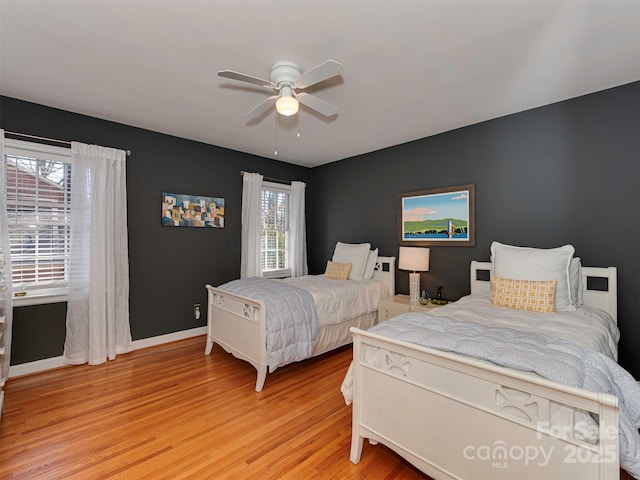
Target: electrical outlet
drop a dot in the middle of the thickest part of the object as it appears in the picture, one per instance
(196, 311)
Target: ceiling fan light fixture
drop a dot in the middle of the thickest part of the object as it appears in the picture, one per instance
(285, 78)
(287, 106)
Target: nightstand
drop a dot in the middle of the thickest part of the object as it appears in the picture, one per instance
(389, 307)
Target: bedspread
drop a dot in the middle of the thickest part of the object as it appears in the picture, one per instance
(340, 300)
(292, 322)
(589, 327)
(555, 359)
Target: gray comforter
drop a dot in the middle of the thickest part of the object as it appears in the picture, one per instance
(292, 322)
(557, 360)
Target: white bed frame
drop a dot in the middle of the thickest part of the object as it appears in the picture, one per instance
(455, 417)
(238, 323)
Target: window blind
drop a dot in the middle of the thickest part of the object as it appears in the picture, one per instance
(275, 229)
(38, 210)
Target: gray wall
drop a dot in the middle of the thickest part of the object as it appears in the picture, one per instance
(564, 173)
(168, 267)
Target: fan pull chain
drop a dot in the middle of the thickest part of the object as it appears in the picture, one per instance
(299, 144)
(275, 136)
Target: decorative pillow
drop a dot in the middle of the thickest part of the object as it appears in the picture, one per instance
(525, 263)
(534, 295)
(575, 281)
(370, 266)
(337, 271)
(354, 253)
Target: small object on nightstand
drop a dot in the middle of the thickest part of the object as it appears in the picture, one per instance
(424, 298)
(439, 300)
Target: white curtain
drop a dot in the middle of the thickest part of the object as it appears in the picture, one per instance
(251, 222)
(6, 306)
(98, 306)
(298, 240)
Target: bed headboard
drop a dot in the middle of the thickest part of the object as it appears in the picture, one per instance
(385, 272)
(599, 285)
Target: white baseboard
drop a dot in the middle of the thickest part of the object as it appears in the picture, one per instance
(169, 337)
(57, 362)
(35, 367)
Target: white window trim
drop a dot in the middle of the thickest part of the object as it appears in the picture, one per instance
(45, 152)
(54, 295)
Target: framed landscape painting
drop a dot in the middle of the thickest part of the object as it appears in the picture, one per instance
(437, 217)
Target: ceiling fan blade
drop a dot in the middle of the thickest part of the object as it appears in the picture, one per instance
(262, 107)
(246, 78)
(318, 74)
(325, 108)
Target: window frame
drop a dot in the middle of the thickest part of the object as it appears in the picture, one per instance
(40, 151)
(286, 189)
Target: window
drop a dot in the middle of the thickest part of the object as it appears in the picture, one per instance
(274, 233)
(38, 191)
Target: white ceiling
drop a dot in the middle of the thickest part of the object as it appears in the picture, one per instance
(411, 68)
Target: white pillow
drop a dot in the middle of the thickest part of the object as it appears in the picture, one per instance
(372, 258)
(575, 281)
(354, 253)
(525, 263)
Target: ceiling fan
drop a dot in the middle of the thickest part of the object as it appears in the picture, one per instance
(286, 78)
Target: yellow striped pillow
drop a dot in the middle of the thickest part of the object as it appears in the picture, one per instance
(337, 271)
(534, 295)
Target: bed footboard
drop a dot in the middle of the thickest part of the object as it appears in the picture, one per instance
(238, 325)
(455, 417)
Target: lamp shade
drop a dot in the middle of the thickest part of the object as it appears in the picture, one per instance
(287, 104)
(414, 258)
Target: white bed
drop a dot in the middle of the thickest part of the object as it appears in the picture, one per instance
(457, 417)
(239, 324)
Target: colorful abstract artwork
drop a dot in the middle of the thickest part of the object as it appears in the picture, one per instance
(180, 210)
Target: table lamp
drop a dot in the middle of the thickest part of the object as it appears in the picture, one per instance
(415, 259)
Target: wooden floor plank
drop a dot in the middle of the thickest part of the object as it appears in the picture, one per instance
(172, 412)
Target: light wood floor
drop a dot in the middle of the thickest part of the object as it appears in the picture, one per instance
(170, 412)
